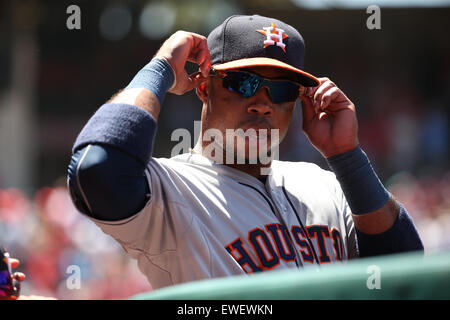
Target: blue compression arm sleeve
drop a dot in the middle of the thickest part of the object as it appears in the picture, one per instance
(126, 127)
(106, 183)
(106, 173)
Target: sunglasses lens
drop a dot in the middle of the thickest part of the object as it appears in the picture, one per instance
(248, 84)
(283, 91)
(241, 82)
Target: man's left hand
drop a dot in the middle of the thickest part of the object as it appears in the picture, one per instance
(329, 119)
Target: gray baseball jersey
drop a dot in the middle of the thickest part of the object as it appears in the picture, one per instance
(207, 220)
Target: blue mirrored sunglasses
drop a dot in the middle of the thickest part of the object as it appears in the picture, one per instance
(247, 84)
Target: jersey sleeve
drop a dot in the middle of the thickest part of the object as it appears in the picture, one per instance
(155, 229)
(352, 243)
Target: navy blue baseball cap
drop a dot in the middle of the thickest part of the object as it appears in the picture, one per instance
(243, 41)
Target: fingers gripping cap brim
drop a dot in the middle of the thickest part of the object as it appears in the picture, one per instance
(304, 78)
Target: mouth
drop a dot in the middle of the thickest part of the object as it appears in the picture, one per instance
(257, 130)
(255, 134)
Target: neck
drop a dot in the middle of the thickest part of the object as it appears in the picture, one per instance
(255, 170)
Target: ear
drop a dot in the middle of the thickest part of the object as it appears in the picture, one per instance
(203, 91)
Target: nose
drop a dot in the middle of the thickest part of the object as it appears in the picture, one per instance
(261, 105)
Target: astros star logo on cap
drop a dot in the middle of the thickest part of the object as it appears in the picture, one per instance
(274, 36)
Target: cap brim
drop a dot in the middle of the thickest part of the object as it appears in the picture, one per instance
(305, 78)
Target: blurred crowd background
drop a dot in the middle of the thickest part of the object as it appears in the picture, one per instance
(53, 79)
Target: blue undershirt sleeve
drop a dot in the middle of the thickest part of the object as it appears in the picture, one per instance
(401, 237)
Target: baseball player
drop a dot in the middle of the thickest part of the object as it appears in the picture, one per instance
(208, 213)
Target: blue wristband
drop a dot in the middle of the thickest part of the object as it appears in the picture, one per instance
(362, 188)
(157, 77)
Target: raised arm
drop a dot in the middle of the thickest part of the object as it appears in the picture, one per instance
(383, 225)
(106, 175)
(148, 88)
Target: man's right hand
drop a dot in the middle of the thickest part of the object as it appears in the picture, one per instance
(181, 47)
